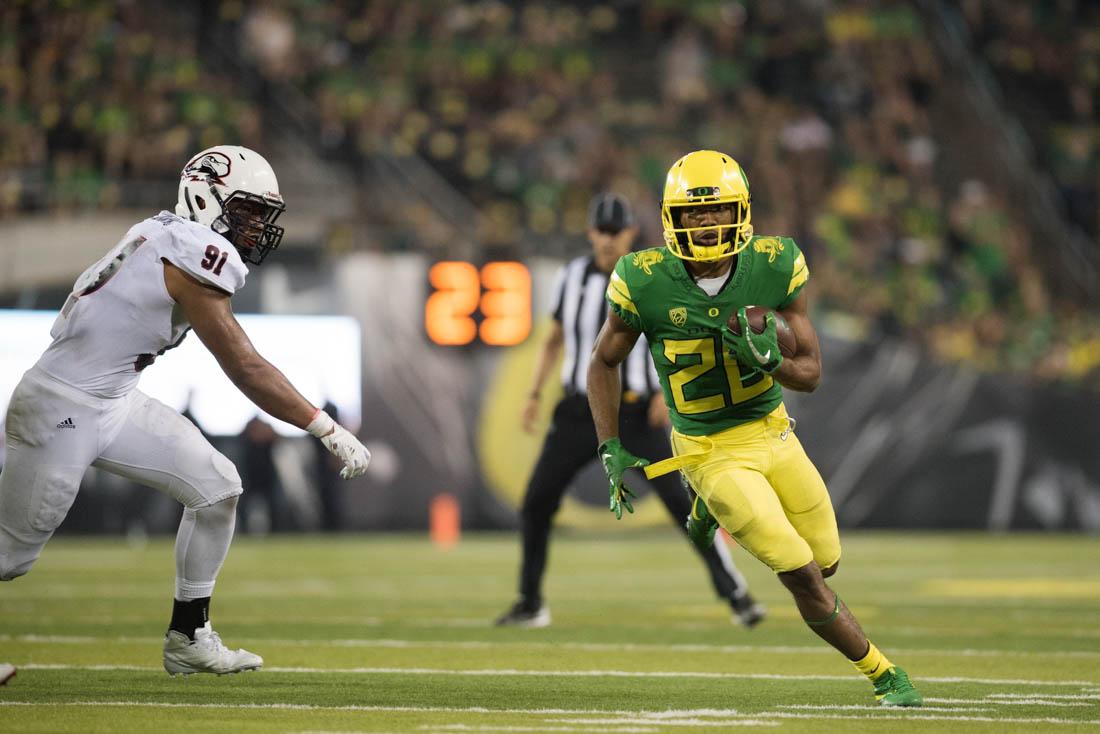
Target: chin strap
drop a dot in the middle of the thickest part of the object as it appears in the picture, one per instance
(190, 206)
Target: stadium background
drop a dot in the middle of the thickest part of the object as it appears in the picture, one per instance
(937, 162)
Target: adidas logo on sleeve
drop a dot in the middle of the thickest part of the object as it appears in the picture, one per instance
(67, 423)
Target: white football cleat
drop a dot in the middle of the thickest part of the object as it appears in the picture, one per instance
(7, 672)
(205, 654)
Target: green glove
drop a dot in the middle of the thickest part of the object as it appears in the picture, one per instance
(755, 351)
(701, 525)
(616, 460)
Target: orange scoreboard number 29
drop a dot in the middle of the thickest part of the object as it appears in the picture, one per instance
(493, 303)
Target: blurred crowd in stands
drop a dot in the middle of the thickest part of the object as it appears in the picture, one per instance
(528, 109)
(100, 100)
(1046, 57)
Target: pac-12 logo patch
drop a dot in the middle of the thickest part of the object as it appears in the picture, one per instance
(678, 315)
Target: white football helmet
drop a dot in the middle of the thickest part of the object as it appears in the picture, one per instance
(233, 190)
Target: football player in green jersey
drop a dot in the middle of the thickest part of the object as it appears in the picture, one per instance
(731, 435)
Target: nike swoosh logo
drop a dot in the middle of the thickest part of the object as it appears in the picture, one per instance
(763, 358)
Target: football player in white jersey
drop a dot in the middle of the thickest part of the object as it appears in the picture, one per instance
(79, 405)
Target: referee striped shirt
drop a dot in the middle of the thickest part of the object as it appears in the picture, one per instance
(580, 308)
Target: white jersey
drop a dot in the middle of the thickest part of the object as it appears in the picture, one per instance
(119, 317)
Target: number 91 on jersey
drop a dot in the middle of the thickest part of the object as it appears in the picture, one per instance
(467, 303)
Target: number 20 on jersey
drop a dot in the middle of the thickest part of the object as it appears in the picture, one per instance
(493, 303)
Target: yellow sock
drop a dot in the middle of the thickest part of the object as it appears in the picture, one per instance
(873, 664)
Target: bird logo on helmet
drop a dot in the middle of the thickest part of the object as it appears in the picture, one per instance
(213, 166)
(233, 190)
(706, 178)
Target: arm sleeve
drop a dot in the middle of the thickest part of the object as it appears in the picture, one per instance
(800, 273)
(206, 256)
(619, 299)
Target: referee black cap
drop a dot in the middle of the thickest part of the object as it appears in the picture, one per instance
(610, 212)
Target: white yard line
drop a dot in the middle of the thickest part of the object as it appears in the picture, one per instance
(63, 639)
(731, 717)
(608, 724)
(874, 707)
(579, 674)
(585, 646)
(504, 727)
(914, 714)
(1066, 696)
(698, 713)
(1004, 681)
(1023, 699)
(655, 716)
(96, 668)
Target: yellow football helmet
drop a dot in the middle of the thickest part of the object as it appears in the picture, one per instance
(700, 178)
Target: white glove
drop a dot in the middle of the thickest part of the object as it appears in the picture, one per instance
(340, 444)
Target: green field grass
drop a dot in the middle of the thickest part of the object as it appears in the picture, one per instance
(390, 634)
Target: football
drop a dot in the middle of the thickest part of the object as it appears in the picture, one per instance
(788, 345)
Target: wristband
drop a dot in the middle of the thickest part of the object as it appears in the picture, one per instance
(607, 445)
(321, 425)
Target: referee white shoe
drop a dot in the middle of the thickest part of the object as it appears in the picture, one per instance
(522, 614)
(7, 672)
(205, 654)
(747, 611)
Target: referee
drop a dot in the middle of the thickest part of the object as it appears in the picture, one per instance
(579, 311)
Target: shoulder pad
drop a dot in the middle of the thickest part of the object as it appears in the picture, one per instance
(203, 254)
(619, 295)
(787, 262)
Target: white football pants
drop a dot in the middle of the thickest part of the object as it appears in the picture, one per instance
(54, 432)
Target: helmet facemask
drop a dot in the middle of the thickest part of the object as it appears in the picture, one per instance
(248, 221)
(691, 243)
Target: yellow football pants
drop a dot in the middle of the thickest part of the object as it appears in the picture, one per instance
(758, 482)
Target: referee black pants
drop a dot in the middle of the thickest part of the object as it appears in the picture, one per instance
(570, 444)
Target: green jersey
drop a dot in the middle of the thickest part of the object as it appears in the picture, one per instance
(705, 389)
